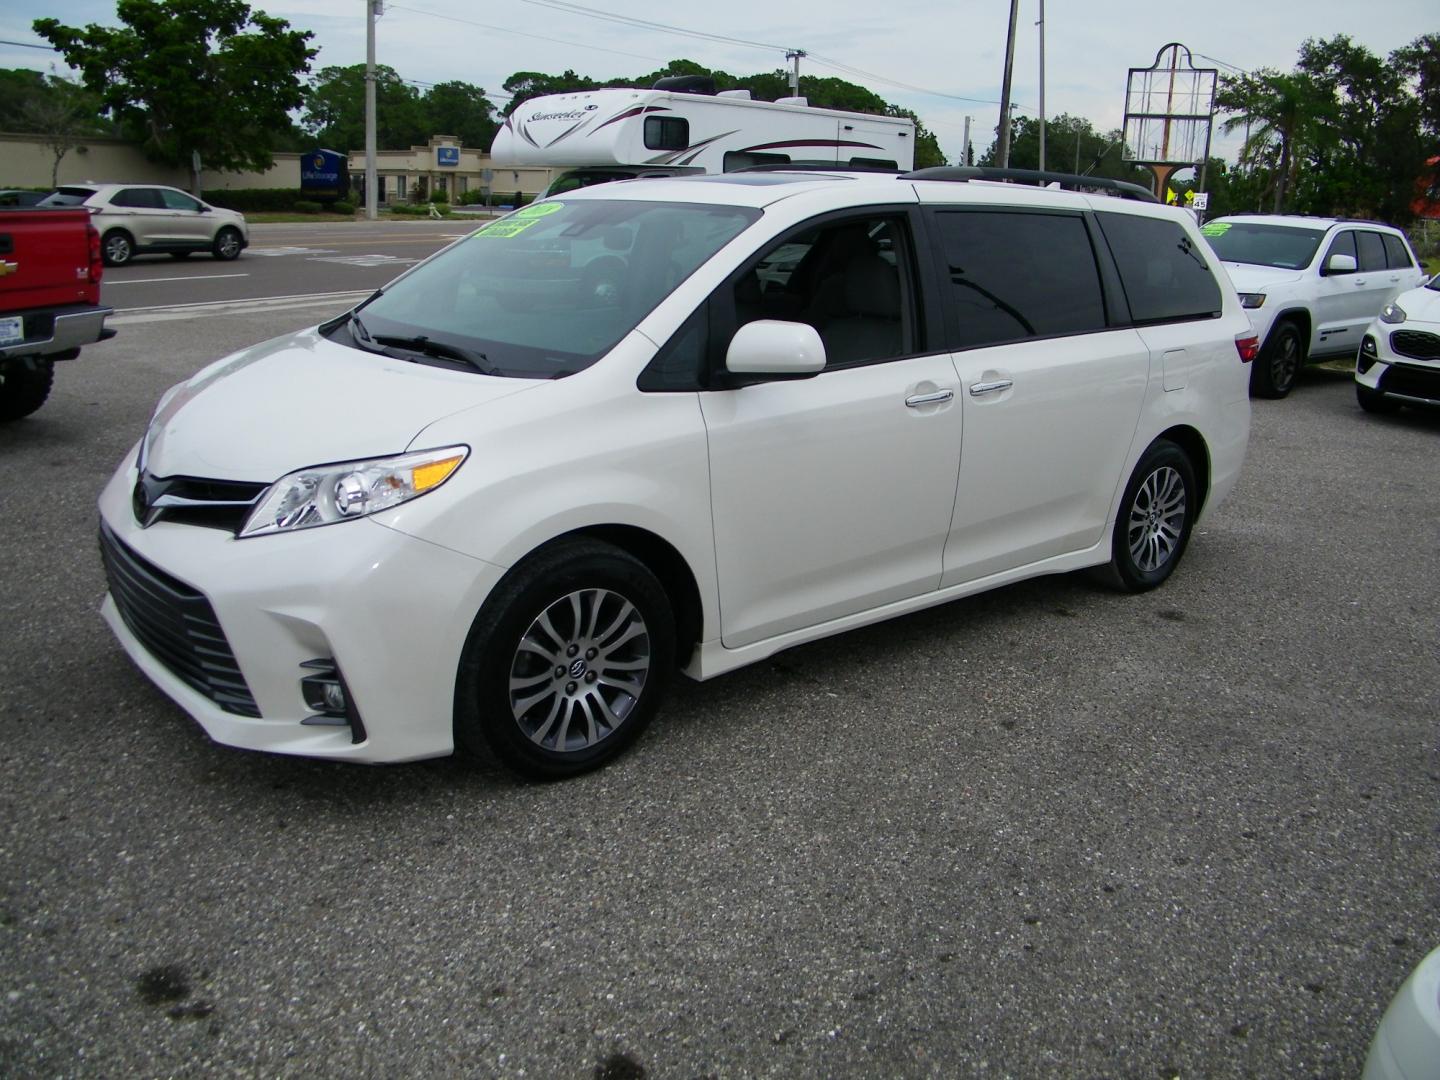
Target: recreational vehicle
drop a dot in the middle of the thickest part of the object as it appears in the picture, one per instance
(686, 125)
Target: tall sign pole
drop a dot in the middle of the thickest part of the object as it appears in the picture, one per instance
(1004, 156)
(1041, 25)
(372, 9)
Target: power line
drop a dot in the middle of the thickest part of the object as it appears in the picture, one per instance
(29, 45)
(861, 73)
(519, 33)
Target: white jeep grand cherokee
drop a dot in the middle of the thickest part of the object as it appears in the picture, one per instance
(1310, 285)
(669, 422)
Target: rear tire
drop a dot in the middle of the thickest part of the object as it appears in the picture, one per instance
(117, 248)
(1372, 401)
(566, 662)
(1152, 527)
(24, 386)
(1278, 365)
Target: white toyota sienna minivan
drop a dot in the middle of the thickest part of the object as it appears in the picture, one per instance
(669, 423)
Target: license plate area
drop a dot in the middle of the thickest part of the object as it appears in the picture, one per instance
(12, 329)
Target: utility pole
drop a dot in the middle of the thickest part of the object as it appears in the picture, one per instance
(795, 55)
(1041, 25)
(373, 9)
(965, 151)
(1004, 156)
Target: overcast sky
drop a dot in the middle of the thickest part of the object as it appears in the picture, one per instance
(948, 50)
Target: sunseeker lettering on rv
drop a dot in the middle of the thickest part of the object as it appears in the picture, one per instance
(575, 114)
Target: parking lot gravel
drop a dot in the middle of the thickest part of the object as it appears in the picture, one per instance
(1048, 831)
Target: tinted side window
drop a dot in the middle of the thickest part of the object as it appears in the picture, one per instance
(136, 198)
(742, 159)
(1016, 275)
(67, 196)
(1343, 244)
(1165, 275)
(848, 279)
(1396, 253)
(666, 133)
(1372, 250)
(177, 200)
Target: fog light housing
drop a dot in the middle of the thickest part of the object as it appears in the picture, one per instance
(326, 694)
(1369, 353)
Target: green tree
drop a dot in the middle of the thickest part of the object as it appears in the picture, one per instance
(335, 110)
(1419, 62)
(63, 115)
(462, 110)
(1071, 145)
(192, 75)
(1280, 114)
(524, 85)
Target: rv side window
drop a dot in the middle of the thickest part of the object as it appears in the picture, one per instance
(667, 133)
(736, 160)
(874, 163)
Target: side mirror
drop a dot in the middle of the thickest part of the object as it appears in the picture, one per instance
(1340, 264)
(204, 209)
(772, 347)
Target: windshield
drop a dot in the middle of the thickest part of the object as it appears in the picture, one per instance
(1263, 245)
(550, 289)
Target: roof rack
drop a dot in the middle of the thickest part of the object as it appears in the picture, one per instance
(815, 166)
(1073, 181)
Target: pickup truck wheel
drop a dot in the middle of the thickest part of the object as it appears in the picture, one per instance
(24, 386)
(566, 662)
(117, 248)
(227, 245)
(1279, 362)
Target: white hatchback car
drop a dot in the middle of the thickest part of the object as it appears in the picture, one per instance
(1399, 359)
(144, 219)
(669, 422)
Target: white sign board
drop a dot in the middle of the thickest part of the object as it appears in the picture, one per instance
(1200, 201)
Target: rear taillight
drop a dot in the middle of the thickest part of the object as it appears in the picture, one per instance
(1248, 347)
(97, 264)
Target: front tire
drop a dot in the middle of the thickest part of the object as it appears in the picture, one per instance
(566, 662)
(24, 386)
(1372, 401)
(117, 248)
(1156, 515)
(1278, 365)
(227, 245)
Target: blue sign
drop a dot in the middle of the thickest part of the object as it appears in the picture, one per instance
(447, 155)
(324, 171)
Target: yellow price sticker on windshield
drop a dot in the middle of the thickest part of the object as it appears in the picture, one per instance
(539, 209)
(504, 230)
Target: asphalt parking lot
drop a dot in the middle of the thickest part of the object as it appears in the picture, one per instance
(1049, 831)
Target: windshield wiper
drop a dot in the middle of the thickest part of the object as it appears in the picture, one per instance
(426, 346)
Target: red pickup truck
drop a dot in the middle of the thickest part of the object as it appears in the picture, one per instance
(50, 271)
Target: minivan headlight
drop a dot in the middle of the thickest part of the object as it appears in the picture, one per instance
(1392, 313)
(326, 494)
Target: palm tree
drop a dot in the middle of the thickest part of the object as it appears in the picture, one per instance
(1282, 115)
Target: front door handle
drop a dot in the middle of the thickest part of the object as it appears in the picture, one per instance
(990, 387)
(929, 399)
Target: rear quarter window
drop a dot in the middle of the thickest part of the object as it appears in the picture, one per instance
(1165, 274)
(1396, 252)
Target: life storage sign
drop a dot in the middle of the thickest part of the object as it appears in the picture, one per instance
(324, 172)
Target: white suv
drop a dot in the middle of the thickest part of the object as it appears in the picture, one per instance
(141, 219)
(669, 422)
(1310, 285)
(1399, 361)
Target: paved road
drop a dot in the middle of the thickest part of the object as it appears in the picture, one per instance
(284, 260)
(1048, 831)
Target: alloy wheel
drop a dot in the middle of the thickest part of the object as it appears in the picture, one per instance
(579, 670)
(1157, 519)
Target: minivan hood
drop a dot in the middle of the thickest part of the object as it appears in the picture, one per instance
(1251, 278)
(304, 400)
